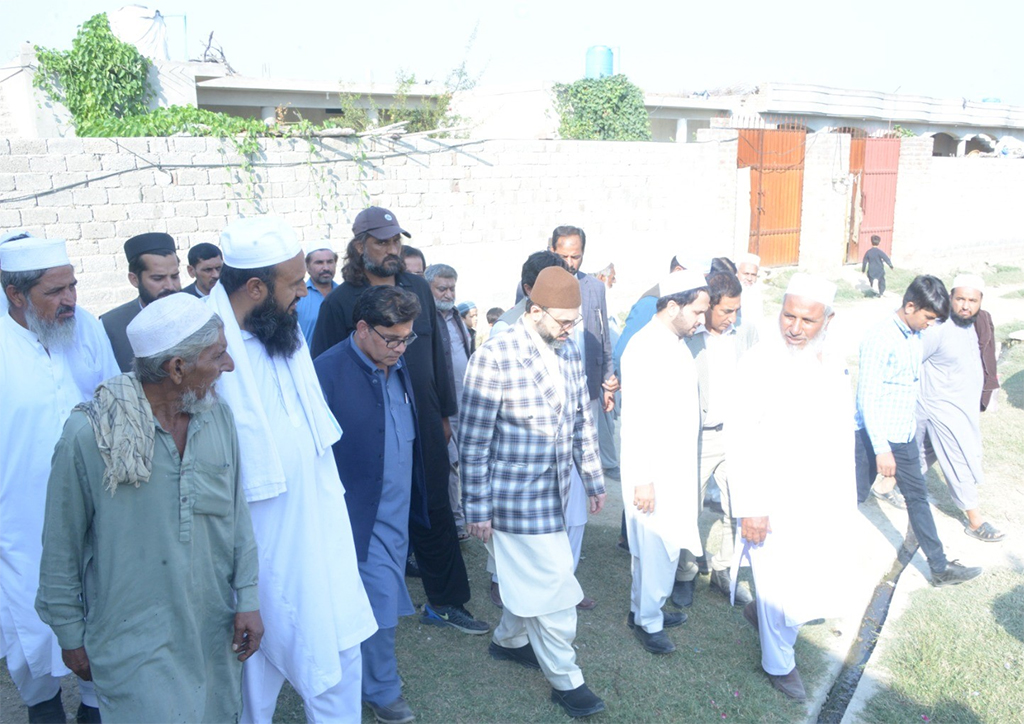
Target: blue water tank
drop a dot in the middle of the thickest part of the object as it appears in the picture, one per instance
(600, 61)
(991, 100)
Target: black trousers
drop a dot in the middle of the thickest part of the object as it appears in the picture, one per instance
(439, 558)
(910, 481)
(881, 282)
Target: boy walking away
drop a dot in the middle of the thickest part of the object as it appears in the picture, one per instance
(874, 261)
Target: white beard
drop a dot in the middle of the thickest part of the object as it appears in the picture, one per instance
(53, 334)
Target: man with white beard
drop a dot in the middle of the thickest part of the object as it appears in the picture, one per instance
(52, 356)
(790, 505)
(312, 598)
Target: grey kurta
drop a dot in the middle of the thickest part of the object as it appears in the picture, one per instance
(163, 564)
(948, 411)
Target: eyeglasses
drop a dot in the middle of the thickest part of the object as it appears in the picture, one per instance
(565, 324)
(396, 343)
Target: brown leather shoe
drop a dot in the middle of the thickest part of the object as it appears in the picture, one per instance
(791, 685)
(750, 613)
(496, 595)
(587, 604)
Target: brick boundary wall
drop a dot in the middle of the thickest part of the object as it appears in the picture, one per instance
(480, 206)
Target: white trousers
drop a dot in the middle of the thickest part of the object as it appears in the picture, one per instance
(262, 682)
(551, 636)
(37, 689)
(654, 572)
(777, 638)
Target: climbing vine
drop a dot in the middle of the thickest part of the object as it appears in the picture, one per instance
(104, 84)
(602, 109)
(100, 79)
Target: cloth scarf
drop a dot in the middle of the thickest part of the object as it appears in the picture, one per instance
(263, 476)
(125, 430)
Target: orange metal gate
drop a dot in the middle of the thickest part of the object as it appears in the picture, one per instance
(776, 162)
(876, 163)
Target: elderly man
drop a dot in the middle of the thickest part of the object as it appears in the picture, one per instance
(659, 461)
(458, 347)
(321, 265)
(311, 597)
(751, 317)
(369, 390)
(52, 356)
(716, 349)
(949, 409)
(153, 459)
(204, 263)
(373, 258)
(795, 393)
(153, 271)
(887, 392)
(525, 420)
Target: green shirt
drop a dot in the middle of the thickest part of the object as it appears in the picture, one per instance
(165, 567)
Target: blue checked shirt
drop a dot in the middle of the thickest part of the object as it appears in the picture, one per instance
(890, 372)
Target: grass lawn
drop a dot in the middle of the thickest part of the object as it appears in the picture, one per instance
(958, 653)
(713, 676)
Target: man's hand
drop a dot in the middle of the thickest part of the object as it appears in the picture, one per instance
(597, 503)
(447, 430)
(248, 634)
(611, 386)
(481, 530)
(643, 498)
(78, 661)
(756, 530)
(885, 463)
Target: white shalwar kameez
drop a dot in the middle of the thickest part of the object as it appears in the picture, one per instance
(39, 388)
(314, 607)
(660, 425)
(791, 459)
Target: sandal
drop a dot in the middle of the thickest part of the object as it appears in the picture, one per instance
(985, 532)
(893, 498)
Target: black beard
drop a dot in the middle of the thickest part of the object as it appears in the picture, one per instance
(276, 328)
(391, 265)
(148, 298)
(961, 322)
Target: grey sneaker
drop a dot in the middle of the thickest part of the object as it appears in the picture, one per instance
(955, 573)
(455, 616)
(397, 712)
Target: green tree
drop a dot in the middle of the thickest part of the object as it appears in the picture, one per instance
(603, 109)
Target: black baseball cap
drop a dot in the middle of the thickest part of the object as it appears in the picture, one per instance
(379, 223)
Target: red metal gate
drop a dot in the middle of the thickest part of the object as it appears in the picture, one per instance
(776, 162)
(877, 160)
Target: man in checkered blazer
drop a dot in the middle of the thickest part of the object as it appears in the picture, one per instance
(525, 419)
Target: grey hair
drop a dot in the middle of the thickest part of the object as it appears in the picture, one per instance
(440, 270)
(151, 369)
(22, 281)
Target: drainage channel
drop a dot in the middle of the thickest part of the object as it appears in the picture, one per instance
(839, 696)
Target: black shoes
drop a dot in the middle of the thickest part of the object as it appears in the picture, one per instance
(524, 655)
(955, 573)
(670, 619)
(577, 702)
(682, 594)
(50, 711)
(656, 643)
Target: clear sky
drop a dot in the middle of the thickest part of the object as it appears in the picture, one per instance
(941, 48)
